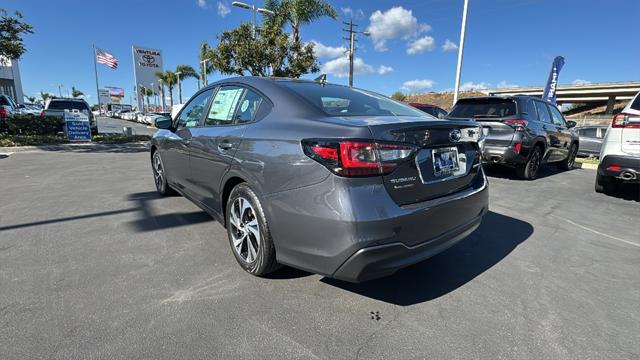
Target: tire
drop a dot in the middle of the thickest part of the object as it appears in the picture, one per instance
(567, 164)
(605, 185)
(529, 170)
(159, 175)
(247, 228)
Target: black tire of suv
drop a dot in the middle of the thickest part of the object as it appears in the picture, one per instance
(162, 187)
(567, 164)
(605, 185)
(529, 170)
(265, 261)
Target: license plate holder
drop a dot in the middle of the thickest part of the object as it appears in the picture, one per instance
(445, 161)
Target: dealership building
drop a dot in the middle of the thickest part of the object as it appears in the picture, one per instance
(10, 83)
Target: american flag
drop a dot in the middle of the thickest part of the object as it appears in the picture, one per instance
(103, 57)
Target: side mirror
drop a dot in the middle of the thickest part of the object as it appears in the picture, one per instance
(163, 122)
(571, 124)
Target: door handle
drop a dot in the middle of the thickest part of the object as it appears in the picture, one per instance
(225, 145)
(186, 141)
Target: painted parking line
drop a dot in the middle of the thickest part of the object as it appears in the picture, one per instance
(595, 231)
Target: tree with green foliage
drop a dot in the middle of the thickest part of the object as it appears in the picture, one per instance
(11, 30)
(185, 71)
(32, 99)
(170, 79)
(45, 96)
(398, 96)
(75, 92)
(298, 13)
(272, 52)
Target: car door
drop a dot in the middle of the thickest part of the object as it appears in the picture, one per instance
(589, 141)
(562, 132)
(214, 143)
(176, 145)
(549, 130)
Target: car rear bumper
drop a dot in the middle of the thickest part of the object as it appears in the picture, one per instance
(357, 232)
(629, 167)
(505, 155)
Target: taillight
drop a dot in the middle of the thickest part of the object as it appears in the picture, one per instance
(614, 168)
(3, 113)
(517, 148)
(356, 157)
(518, 124)
(623, 120)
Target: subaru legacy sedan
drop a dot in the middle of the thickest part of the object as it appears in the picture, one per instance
(330, 179)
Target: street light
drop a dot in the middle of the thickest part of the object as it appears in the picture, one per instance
(203, 64)
(254, 9)
(460, 51)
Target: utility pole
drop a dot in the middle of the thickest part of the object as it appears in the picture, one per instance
(460, 51)
(204, 71)
(352, 45)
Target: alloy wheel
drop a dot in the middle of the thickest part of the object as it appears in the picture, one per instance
(158, 171)
(245, 230)
(534, 163)
(572, 156)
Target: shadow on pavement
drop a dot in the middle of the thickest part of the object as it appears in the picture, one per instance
(97, 148)
(505, 172)
(627, 191)
(497, 236)
(150, 222)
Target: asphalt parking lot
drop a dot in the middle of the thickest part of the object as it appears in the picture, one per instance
(93, 264)
(108, 125)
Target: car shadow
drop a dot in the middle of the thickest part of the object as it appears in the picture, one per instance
(505, 172)
(497, 237)
(148, 221)
(627, 191)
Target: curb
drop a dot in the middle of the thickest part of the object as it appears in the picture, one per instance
(586, 166)
(141, 145)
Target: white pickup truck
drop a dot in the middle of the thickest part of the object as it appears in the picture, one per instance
(56, 108)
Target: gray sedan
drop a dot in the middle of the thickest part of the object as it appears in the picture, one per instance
(330, 179)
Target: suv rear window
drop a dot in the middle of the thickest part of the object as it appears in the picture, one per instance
(336, 100)
(636, 103)
(67, 105)
(483, 108)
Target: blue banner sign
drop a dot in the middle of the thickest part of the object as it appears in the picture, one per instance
(77, 126)
(552, 83)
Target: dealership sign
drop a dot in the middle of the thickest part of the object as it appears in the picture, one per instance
(77, 126)
(146, 62)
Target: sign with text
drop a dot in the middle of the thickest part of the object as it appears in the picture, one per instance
(146, 62)
(77, 126)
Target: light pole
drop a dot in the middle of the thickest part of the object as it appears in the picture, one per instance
(254, 9)
(460, 51)
(204, 71)
(60, 89)
(179, 86)
(352, 45)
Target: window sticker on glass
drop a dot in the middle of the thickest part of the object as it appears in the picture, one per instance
(223, 106)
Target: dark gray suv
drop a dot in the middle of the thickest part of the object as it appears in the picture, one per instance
(521, 131)
(330, 179)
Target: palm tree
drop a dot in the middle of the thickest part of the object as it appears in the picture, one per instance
(45, 96)
(32, 99)
(185, 71)
(300, 12)
(145, 92)
(160, 75)
(75, 92)
(170, 79)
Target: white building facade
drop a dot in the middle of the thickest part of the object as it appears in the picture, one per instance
(10, 82)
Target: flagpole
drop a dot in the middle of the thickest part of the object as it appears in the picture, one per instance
(95, 68)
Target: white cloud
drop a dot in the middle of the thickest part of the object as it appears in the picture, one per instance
(340, 67)
(449, 46)
(384, 69)
(223, 9)
(349, 12)
(504, 84)
(417, 85)
(471, 86)
(202, 4)
(580, 82)
(418, 46)
(394, 23)
(324, 51)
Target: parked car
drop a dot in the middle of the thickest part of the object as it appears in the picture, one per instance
(432, 110)
(29, 109)
(521, 132)
(7, 107)
(56, 107)
(620, 154)
(590, 139)
(334, 180)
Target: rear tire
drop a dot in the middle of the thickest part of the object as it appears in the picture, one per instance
(248, 232)
(529, 170)
(567, 164)
(605, 184)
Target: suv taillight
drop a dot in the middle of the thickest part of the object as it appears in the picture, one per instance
(358, 157)
(623, 120)
(518, 124)
(3, 113)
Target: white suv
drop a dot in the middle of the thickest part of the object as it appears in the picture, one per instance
(620, 153)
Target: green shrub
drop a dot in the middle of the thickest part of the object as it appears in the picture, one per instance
(32, 125)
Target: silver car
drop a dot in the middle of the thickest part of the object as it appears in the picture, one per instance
(330, 179)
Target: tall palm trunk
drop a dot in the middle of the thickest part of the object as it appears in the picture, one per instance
(148, 103)
(164, 104)
(171, 95)
(180, 91)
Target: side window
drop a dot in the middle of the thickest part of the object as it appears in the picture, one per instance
(601, 132)
(588, 132)
(223, 106)
(191, 113)
(531, 109)
(248, 107)
(556, 116)
(636, 103)
(543, 113)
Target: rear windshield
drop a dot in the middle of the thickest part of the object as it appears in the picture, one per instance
(67, 105)
(483, 108)
(636, 103)
(335, 100)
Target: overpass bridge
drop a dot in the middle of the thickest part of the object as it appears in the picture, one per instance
(595, 93)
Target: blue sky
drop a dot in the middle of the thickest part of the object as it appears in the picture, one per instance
(509, 42)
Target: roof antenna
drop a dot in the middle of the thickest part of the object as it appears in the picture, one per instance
(322, 79)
